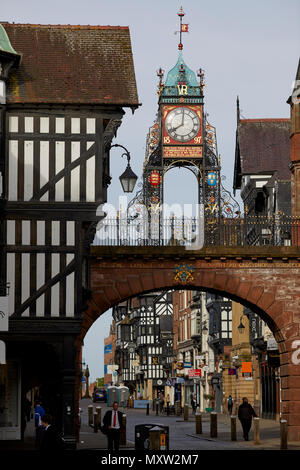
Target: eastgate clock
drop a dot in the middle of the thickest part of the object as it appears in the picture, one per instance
(182, 124)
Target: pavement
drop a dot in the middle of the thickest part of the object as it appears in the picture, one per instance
(182, 434)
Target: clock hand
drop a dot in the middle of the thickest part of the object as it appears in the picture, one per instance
(182, 117)
(175, 128)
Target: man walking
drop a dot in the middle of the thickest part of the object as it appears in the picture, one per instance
(50, 439)
(230, 404)
(113, 426)
(245, 414)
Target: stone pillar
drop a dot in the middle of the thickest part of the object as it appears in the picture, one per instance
(90, 414)
(198, 423)
(283, 435)
(233, 427)
(290, 385)
(123, 432)
(213, 424)
(96, 421)
(256, 431)
(186, 413)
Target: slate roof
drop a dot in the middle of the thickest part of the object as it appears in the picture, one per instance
(262, 146)
(72, 64)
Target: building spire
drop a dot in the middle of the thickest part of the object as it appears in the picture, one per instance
(184, 28)
(237, 110)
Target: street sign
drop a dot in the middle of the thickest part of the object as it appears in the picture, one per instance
(195, 373)
(187, 365)
(162, 442)
(108, 348)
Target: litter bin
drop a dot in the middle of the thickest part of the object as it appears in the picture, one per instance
(142, 438)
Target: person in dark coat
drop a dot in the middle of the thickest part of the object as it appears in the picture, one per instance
(50, 439)
(113, 425)
(245, 414)
(230, 404)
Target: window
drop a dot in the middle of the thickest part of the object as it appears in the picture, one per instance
(226, 323)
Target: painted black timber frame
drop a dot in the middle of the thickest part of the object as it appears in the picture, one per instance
(59, 332)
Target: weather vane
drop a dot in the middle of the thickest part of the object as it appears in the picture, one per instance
(184, 28)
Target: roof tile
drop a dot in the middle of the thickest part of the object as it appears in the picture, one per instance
(72, 64)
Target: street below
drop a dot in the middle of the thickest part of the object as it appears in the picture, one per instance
(182, 434)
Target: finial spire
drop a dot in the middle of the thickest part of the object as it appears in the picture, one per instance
(184, 28)
(238, 110)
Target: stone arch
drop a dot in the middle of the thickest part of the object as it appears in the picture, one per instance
(272, 292)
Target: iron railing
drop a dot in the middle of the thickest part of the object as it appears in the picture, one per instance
(183, 231)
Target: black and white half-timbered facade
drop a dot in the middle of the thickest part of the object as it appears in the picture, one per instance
(144, 342)
(63, 90)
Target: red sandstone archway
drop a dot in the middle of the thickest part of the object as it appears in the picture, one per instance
(270, 286)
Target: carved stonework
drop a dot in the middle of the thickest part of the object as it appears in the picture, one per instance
(111, 131)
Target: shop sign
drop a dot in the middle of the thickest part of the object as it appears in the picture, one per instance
(215, 381)
(272, 344)
(180, 380)
(107, 348)
(247, 367)
(195, 373)
(187, 365)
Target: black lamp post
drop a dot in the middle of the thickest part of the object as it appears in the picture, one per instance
(128, 178)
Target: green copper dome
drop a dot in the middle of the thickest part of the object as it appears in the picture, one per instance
(175, 75)
(5, 44)
(179, 75)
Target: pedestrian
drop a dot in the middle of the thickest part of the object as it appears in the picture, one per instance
(113, 425)
(245, 414)
(161, 402)
(39, 412)
(193, 402)
(230, 404)
(168, 404)
(50, 439)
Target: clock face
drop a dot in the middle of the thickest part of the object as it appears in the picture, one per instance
(182, 124)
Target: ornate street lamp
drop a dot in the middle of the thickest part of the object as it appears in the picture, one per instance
(241, 327)
(128, 178)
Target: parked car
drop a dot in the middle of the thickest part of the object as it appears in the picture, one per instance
(99, 394)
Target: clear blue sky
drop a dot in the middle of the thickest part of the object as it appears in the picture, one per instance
(249, 49)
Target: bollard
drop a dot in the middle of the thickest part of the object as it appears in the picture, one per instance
(186, 413)
(198, 423)
(147, 411)
(123, 432)
(213, 424)
(168, 409)
(156, 408)
(96, 421)
(178, 408)
(256, 431)
(90, 412)
(233, 427)
(283, 435)
(98, 410)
